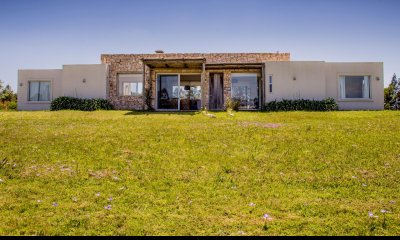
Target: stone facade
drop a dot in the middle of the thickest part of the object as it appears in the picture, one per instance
(132, 63)
(226, 79)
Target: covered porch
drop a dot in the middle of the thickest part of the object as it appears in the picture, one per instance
(192, 84)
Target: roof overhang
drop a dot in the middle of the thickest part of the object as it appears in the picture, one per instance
(174, 63)
(235, 65)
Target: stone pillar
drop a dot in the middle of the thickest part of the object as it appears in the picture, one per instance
(227, 85)
(203, 86)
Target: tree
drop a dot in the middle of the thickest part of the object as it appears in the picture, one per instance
(6, 93)
(392, 94)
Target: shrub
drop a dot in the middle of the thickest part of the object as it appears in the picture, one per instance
(328, 104)
(148, 99)
(71, 103)
(232, 104)
(8, 105)
(12, 105)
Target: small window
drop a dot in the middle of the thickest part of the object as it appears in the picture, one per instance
(39, 91)
(355, 87)
(270, 83)
(130, 84)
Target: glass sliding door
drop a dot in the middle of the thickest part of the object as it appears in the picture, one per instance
(190, 92)
(245, 89)
(168, 92)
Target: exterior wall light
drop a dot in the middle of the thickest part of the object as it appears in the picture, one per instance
(84, 80)
(294, 78)
(21, 84)
(378, 79)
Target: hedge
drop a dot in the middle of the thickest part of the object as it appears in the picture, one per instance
(71, 103)
(328, 104)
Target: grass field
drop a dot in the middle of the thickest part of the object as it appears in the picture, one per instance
(135, 173)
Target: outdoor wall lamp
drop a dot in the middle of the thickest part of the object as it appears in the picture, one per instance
(20, 84)
(84, 80)
(377, 79)
(294, 78)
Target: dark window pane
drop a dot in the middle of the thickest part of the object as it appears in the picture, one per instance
(34, 91)
(270, 84)
(39, 91)
(44, 94)
(354, 86)
(168, 92)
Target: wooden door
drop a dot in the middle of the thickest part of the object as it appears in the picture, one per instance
(216, 100)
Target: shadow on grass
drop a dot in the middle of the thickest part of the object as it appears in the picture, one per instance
(138, 112)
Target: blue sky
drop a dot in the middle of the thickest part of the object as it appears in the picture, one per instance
(46, 34)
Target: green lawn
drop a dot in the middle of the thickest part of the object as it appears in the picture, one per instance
(135, 173)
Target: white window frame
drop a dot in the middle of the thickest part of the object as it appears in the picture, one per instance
(342, 89)
(40, 80)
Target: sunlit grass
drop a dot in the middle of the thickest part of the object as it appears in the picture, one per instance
(138, 173)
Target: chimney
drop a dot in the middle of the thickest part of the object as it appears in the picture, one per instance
(159, 51)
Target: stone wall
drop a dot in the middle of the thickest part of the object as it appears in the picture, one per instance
(131, 63)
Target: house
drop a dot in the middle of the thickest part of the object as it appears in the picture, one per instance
(190, 81)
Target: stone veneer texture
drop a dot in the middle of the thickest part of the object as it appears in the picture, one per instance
(132, 63)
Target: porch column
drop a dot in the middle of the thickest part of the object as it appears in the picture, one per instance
(144, 87)
(203, 86)
(263, 84)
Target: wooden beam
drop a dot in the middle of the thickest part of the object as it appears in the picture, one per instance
(203, 76)
(143, 87)
(263, 84)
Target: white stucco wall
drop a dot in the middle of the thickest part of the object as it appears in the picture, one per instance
(54, 76)
(320, 80)
(372, 69)
(84, 81)
(64, 82)
(309, 83)
(313, 80)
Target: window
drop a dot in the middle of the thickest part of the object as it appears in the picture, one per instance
(245, 90)
(130, 84)
(132, 88)
(355, 87)
(39, 91)
(270, 83)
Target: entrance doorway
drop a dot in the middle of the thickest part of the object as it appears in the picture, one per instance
(216, 91)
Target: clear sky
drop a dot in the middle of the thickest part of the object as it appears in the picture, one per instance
(43, 34)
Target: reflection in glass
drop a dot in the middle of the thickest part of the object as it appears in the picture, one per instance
(245, 90)
(39, 91)
(168, 92)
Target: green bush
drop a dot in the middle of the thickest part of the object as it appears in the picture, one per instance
(12, 105)
(71, 103)
(328, 104)
(8, 105)
(232, 104)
